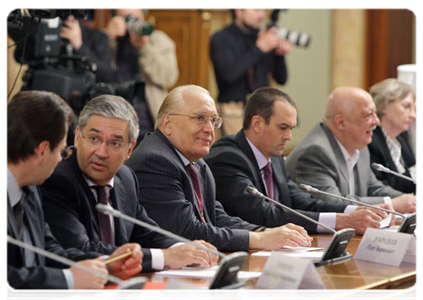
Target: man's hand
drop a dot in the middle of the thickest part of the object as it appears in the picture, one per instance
(267, 40)
(116, 27)
(405, 203)
(138, 41)
(85, 280)
(284, 47)
(129, 265)
(187, 254)
(276, 238)
(360, 220)
(71, 30)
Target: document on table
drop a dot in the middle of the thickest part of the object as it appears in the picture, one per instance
(301, 252)
(203, 273)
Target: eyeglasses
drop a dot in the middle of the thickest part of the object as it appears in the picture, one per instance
(66, 153)
(95, 141)
(201, 119)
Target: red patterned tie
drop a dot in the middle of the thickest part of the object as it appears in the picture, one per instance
(268, 179)
(197, 189)
(105, 224)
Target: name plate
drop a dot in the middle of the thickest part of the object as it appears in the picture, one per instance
(286, 272)
(386, 247)
(182, 290)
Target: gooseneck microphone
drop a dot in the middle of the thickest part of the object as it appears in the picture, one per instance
(253, 191)
(381, 168)
(336, 250)
(134, 283)
(226, 275)
(407, 226)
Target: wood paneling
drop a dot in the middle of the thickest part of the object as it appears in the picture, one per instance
(389, 40)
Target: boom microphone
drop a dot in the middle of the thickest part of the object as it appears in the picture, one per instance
(134, 283)
(381, 168)
(407, 226)
(335, 252)
(226, 275)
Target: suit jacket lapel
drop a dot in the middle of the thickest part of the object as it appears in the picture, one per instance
(245, 147)
(117, 197)
(12, 228)
(281, 182)
(340, 160)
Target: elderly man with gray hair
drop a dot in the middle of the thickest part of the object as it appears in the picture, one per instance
(105, 137)
(334, 157)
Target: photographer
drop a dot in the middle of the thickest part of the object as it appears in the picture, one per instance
(149, 58)
(243, 56)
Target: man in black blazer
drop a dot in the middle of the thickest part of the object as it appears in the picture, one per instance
(104, 138)
(37, 129)
(177, 188)
(237, 160)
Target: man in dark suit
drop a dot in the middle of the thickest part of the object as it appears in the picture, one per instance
(334, 157)
(37, 128)
(104, 138)
(238, 161)
(177, 188)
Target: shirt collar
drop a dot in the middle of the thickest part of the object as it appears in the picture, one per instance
(184, 159)
(351, 160)
(111, 183)
(262, 161)
(13, 189)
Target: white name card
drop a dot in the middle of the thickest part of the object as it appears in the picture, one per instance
(182, 290)
(285, 272)
(386, 247)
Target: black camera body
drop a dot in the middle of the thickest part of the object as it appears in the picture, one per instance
(139, 27)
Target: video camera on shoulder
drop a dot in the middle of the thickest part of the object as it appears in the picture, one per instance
(139, 27)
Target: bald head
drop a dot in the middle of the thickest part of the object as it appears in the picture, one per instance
(351, 117)
(344, 100)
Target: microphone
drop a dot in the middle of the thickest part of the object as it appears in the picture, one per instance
(407, 226)
(336, 250)
(226, 275)
(381, 168)
(134, 283)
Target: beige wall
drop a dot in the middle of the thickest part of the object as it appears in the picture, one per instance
(309, 68)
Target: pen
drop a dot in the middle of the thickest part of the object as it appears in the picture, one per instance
(117, 257)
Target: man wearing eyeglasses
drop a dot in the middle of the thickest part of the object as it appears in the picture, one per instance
(36, 136)
(104, 138)
(177, 188)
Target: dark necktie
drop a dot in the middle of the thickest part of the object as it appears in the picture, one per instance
(196, 183)
(105, 224)
(268, 179)
(18, 212)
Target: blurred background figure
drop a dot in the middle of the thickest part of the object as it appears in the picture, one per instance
(243, 57)
(141, 53)
(395, 102)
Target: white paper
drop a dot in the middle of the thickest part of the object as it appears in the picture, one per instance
(385, 247)
(203, 273)
(385, 222)
(313, 255)
(284, 272)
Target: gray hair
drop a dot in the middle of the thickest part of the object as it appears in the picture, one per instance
(111, 106)
(175, 100)
(389, 90)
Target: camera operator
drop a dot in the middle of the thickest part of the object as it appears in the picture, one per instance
(149, 58)
(243, 57)
(92, 44)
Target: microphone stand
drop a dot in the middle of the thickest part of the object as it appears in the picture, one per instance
(226, 275)
(134, 283)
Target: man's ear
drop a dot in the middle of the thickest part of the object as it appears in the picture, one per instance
(130, 150)
(41, 151)
(257, 123)
(339, 122)
(166, 125)
(77, 136)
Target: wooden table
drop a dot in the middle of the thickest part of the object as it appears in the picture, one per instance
(354, 279)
